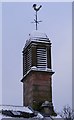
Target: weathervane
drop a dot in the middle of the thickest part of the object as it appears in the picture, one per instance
(36, 9)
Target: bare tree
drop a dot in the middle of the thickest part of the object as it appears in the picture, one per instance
(67, 113)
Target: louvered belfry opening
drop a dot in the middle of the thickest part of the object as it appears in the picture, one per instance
(42, 58)
(37, 56)
(27, 60)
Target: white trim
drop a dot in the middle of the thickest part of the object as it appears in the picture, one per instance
(34, 68)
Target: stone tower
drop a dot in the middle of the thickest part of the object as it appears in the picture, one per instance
(37, 71)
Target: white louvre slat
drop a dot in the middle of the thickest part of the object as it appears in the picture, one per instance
(41, 58)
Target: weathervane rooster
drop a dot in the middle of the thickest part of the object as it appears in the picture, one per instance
(36, 8)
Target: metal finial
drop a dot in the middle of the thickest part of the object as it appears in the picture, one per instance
(36, 9)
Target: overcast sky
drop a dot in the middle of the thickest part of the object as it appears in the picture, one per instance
(16, 25)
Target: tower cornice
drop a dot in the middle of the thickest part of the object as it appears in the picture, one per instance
(34, 69)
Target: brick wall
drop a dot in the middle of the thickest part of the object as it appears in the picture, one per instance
(37, 86)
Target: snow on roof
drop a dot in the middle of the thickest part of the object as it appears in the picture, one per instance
(0, 116)
(10, 111)
(3, 116)
(39, 116)
(58, 116)
(15, 108)
(37, 34)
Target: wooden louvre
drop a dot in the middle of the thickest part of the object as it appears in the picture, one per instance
(41, 58)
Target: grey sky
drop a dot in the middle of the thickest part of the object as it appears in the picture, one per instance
(16, 25)
(0, 52)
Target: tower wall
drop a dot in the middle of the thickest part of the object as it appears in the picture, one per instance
(37, 72)
(37, 87)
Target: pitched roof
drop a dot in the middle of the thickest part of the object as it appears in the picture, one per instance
(16, 111)
(11, 112)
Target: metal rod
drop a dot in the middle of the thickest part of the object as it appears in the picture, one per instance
(36, 20)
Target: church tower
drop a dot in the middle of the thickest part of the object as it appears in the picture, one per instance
(37, 71)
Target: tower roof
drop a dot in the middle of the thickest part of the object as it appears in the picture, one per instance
(37, 36)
